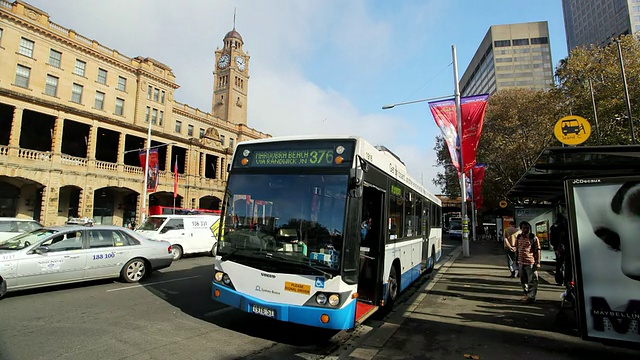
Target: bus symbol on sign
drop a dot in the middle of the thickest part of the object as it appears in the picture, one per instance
(572, 130)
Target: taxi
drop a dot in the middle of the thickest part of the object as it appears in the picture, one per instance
(66, 254)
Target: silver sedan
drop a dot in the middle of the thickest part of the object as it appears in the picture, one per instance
(65, 254)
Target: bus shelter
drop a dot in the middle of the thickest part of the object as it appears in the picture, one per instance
(599, 186)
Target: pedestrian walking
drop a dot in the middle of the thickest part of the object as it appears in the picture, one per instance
(559, 239)
(528, 246)
(509, 244)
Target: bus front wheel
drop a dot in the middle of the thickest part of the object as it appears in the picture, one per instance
(393, 286)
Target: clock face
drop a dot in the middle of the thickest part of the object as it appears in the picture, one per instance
(223, 61)
(240, 62)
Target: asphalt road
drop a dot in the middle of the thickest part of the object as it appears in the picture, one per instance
(169, 315)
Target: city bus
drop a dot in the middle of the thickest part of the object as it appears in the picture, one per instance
(322, 231)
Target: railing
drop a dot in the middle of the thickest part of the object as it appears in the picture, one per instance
(5, 4)
(34, 155)
(4, 150)
(136, 170)
(72, 160)
(103, 165)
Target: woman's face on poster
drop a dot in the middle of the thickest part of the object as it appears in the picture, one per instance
(614, 214)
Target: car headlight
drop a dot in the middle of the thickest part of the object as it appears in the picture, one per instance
(321, 299)
(225, 279)
(218, 276)
(334, 299)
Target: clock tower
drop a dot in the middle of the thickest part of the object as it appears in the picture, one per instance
(231, 80)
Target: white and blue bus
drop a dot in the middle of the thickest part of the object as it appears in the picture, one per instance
(322, 231)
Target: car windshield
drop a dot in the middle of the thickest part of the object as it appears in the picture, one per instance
(152, 223)
(26, 239)
(286, 218)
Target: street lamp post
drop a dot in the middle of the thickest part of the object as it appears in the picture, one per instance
(146, 175)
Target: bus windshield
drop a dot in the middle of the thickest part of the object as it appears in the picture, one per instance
(285, 218)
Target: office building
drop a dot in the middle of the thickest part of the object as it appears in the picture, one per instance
(74, 115)
(596, 22)
(514, 55)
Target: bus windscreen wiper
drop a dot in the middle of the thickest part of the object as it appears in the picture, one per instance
(299, 262)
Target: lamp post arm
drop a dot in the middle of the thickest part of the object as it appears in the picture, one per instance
(391, 106)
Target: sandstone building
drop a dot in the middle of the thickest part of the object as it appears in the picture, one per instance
(74, 115)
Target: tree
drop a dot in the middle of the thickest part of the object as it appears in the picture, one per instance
(447, 181)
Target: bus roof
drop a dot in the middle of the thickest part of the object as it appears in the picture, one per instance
(379, 156)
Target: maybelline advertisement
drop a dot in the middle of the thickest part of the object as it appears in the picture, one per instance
(605, 220)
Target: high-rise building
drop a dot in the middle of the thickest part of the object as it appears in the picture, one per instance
(75, 115)
(596, 22)
(513, 55)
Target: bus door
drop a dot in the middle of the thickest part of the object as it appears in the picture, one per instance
(371, 252)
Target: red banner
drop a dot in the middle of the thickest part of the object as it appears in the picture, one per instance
(478, 178)
(473, 109)
(152, 174)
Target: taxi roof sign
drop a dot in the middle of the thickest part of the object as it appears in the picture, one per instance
(572, 130)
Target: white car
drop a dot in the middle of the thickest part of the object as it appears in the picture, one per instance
(66, 254)
(10, 227)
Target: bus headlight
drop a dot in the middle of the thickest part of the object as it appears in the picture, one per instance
(321, 299)
(334, 299)
(225, 279)
(218, 276)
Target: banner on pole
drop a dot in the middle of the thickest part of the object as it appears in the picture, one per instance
(478, 178)
(473, 110)
(152, 173)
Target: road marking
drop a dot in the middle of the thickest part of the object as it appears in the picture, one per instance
(153, 283)
(218, 312)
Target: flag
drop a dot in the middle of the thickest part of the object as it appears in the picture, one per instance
(478, 178)
(175, 178)
(473, 109)
(152, 172)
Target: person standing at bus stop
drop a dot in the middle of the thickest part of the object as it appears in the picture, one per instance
(528, 246)
(509, 244)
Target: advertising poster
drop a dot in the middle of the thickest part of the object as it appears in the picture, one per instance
(604, 215)
(152, 174)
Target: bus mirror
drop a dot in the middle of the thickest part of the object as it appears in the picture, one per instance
(355, 177)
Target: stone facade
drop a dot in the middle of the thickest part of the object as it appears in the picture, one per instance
(74, 115)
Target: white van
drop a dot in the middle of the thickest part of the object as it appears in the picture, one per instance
(187, 233)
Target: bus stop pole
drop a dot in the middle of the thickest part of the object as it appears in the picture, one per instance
(463, 190)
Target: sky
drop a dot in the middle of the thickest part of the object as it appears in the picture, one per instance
(317, 66)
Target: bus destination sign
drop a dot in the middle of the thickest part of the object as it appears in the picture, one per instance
(299, 157)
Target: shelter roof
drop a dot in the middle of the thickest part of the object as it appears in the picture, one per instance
(544, 180)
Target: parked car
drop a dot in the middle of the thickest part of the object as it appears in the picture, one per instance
(187, 233)
(65, 254)
(10, 227)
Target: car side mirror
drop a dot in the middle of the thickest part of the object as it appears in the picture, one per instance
(41, 250)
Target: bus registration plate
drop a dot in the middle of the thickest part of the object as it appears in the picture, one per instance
(261, 310)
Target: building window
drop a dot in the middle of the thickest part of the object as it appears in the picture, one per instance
(99, 104)
(146, 114)
(26, 47)
(102, 76)
(231, 143)
(149, 90)
(154, 116)
(162, 97)
(55, 58)
(222, 140)
(502, 43)
(0, 35)
(23, 74)
(201, 133)
(122, 83)
(80, 67)
(51, 85)
(160, 118)
(156, 95)
(190, 130)
(178, 126)
(119, 106)
(76, 93)
(540, 40)
(520, 42)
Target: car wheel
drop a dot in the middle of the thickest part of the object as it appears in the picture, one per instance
(3, 287)
(134, 270)
(176, 250)
(393, 286)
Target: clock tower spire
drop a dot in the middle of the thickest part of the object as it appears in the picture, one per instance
(231, 79)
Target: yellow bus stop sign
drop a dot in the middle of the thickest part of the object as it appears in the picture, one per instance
(572, 130)
(503, 204)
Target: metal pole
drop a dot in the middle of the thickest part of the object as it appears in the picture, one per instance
(626, 93)
(146, 174)
(595, 112)
(474, 220)
(465, 218)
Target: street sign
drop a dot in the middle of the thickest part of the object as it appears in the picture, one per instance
(572, 130)
(503, 204)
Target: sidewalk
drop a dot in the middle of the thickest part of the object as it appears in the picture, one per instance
(472, 308)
